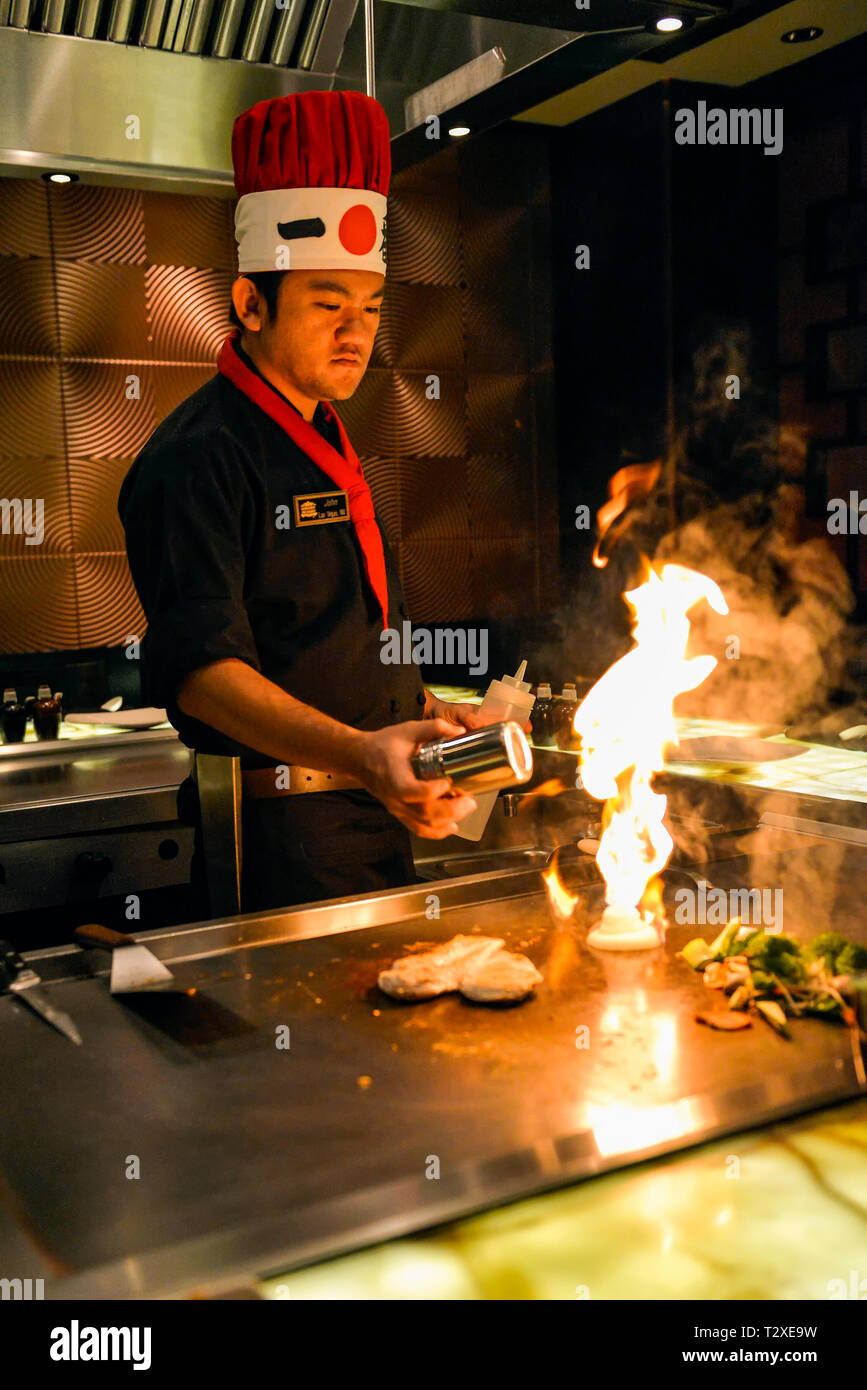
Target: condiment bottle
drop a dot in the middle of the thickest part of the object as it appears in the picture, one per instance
(13, 717)
(563, 719)
(542, 717)
(47, 710)
(507, 699)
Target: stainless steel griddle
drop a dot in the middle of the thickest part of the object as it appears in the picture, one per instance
(256, 1159)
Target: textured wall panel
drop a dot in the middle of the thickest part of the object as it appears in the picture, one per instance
(390, 413)
(438, 176)
(97, 224)
(101, 420)
(540, 287)
(93, 488)
(500, 497)
(496, 330)
(421, 327)
(436, 580)
(187, 312)
(101, 310)
(497, 250)
(28, 321)
(31, 418)
(110, 610)
(171, 385)
(384, 479)
(196, 232)
(24, 225)
(542, 395)
(39, 610)
(424, 240)
(38, 478)
(433, 499)
(505, 576)
(499, 414)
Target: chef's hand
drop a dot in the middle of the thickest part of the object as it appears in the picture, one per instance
(430, 809)
(470, 716)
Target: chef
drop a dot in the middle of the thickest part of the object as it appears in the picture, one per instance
(254, 545)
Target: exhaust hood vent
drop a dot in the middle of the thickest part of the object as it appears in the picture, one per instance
(299, 33)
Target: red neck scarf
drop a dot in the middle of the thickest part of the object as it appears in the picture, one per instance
(343, 470)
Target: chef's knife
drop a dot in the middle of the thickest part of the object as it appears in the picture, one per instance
(134, 969)
(24, 983)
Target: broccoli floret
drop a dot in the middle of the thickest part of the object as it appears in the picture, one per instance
(778, 955)
(824, 1004)
(829, 944)
(851, 959)
(762, 983)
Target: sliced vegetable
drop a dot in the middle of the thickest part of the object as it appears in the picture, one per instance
(725, 1020)
(781, 978)
(697, 953)
(741, 997)
(772, 1013)
(722, 944)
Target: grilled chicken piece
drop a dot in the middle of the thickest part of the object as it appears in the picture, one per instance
(500, 978)
(438, 971)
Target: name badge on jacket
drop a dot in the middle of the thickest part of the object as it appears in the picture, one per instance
(320, 508)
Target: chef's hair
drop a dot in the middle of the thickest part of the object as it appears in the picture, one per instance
(267, 282)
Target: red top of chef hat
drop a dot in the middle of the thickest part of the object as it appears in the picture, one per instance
(312, 140)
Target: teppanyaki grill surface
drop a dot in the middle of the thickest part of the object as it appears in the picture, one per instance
(260, 1155)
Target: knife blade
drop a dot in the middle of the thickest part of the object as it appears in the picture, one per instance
(25, 985)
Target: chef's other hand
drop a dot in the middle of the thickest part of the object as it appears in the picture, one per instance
(429, 809)
(470, 716)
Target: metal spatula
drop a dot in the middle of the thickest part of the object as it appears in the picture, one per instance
(133, 967)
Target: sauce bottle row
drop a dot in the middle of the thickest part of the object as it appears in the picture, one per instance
(44, 709)
(552, 718)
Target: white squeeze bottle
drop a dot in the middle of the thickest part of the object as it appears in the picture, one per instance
(509, 698)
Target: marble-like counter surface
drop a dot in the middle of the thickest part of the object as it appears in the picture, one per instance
(776, 1213)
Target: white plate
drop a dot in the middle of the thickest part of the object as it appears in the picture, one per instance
(120, 718)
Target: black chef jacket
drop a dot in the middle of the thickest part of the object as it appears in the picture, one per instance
(217, 578)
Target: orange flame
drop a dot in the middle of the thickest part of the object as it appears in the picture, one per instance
(554, 786)
(627, 721)
(560, 900)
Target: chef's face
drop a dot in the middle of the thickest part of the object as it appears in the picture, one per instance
(322, 336)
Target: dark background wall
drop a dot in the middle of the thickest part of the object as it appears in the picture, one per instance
(707, 260)
(98, 284)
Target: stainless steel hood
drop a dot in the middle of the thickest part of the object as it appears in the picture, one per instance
(146, 94)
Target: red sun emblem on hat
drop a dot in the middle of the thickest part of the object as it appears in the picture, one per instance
(357, 230)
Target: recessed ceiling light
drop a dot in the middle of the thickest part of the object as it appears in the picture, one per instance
(459, 130)
(57, 176)
(670, 24)
(802, 35)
